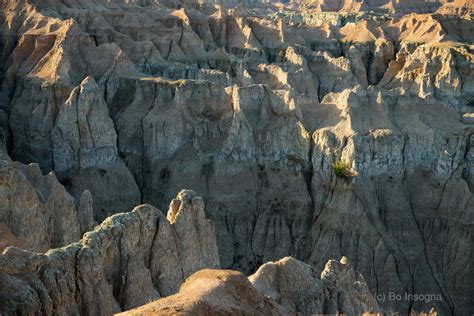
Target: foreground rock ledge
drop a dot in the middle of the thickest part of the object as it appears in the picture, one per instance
(284, 287)
(127, 261)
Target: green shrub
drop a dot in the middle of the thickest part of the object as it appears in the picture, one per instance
(342, 169)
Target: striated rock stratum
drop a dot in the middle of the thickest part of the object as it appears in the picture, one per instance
(105, 105)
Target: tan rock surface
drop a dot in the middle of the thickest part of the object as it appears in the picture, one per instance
(213, 292)
(36, 212)
(251, 112)
(354, 297)
(296, 286)
(285, 287)
(390, 6)
(128, 260)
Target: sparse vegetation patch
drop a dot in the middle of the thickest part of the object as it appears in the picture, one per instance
(342, 169)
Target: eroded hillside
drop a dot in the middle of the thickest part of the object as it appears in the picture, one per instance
(129, 102)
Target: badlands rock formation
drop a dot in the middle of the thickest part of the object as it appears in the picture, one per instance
(295, 285)
(461, 7)
(285, 287)
(127, 261)
(37, 213)
(132, 101)
(213, 292)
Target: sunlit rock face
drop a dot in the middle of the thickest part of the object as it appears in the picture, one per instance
(397, 7)
(285, 287)
(132, 101)
(127, 261)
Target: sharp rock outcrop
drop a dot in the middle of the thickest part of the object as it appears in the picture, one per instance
(296, 286)
(36, 212)
(128, 260)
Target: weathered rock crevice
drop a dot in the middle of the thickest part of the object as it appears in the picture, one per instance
(133, 102)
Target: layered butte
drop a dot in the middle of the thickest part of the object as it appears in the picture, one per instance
(106, 105)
